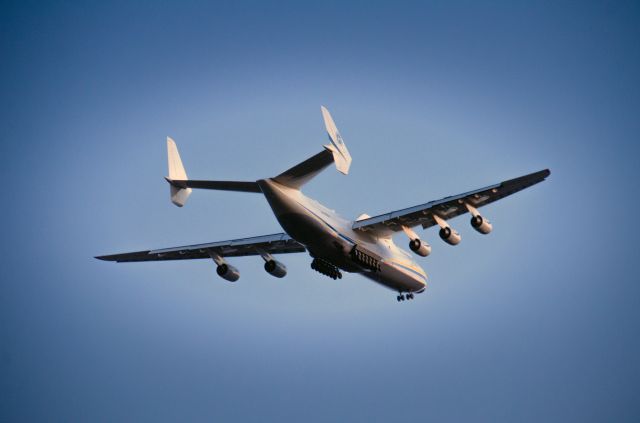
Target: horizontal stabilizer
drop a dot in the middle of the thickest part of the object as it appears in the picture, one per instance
(303, 172)
(217, 185)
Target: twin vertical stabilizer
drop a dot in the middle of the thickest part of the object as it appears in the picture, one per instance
(179, 195)
(341, 155)
(336, 152)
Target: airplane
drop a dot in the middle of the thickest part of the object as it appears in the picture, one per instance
(335, 244)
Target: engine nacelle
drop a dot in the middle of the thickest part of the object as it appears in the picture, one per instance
(419, 247)
(450, 236)
(481, 224)
(275, 268)
(228, 272)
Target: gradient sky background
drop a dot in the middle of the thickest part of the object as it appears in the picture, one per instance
(536, 322)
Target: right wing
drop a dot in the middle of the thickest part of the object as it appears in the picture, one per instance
(273, 244)
(446, 208)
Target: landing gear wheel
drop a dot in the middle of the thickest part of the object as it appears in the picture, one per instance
(399, 298)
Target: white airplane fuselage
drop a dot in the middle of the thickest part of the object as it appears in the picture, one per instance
(327, 236)
(363, 246)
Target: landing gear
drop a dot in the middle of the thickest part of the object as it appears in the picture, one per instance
(326, 268)
(402, 297)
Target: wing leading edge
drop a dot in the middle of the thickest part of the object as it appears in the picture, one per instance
(274, 244)
(448, 207)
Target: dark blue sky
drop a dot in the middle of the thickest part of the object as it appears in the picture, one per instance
(536, 322)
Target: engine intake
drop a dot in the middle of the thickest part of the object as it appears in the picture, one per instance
(419, 247)
(228, 272)
(275, 268)
(481, 225)
(450, 236)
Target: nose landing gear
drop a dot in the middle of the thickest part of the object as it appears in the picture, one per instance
(402, 297)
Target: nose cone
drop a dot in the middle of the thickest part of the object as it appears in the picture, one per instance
(423, 280)
(421, 271)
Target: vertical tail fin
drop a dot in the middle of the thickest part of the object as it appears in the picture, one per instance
(341, 155)
(336, 152)
(179, 196)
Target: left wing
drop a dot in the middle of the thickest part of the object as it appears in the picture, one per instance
(446, 208)
(273, 244)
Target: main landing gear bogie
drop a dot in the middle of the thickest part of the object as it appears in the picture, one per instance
(326, 268)
(402, 297)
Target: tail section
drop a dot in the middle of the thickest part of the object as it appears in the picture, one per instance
(341, 155)
(179, 195)
(335, 152)
(181, 186)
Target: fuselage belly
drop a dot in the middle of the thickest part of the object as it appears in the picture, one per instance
(330, 237)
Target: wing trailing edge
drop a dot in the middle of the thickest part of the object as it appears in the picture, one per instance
(280, 243)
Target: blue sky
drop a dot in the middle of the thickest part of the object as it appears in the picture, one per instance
(537, 321)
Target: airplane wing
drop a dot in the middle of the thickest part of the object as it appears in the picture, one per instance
(274, 244)
(446, 208)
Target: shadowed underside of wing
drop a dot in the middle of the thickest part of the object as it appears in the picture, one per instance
(448, 207)
(274, 244)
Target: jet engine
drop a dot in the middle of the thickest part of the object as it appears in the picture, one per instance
(480, 224)
(447, 234)
(450, 236)
(275, 268)
(228, 272)
(419, 247)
